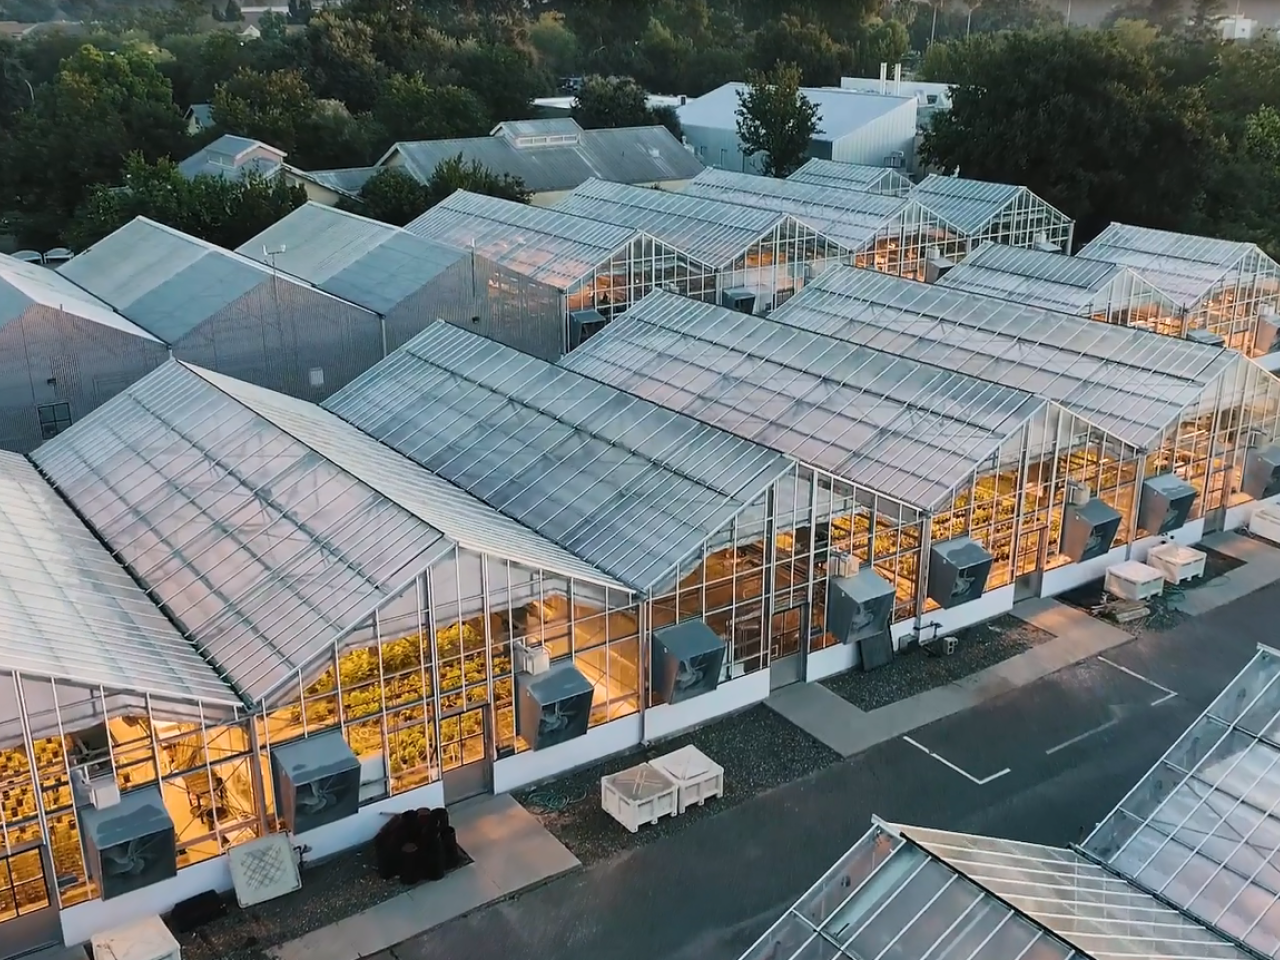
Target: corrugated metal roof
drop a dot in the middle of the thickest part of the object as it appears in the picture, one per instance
(23, 285)
(367, 262)
(713, 232)
(890, 425)
(849, 217)
(543, 244)
(622, 154)
(345, 180)
(1129, 382)
(1180, 265)
(542, 127)
(968, 205)
(842, 111)
(228, 156)
(858, 176)
(69, 611)
(631, 487)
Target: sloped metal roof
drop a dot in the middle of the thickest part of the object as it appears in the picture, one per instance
(543, 244)
(856, 176)
(367, 262)
(890, 425)
(969, 205)
(345, 180)
(24, 285)
(227, 156)
(628, 486)
(69, 611)
(1130, 383)
(713, 232)
(849, 217)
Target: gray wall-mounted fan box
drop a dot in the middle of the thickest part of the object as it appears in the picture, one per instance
(1089, 530)
(1166, 503)
(553, 707)
(317, 781)
(1262, 473)
(958, 571)
(687, 659)
(583, 325)
(130, 845)
(859, 609)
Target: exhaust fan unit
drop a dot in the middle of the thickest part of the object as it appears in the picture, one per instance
(1262, 473)
(1089, 530)
(131, 844)
(687, 661)
(1166, 503)
(958, 571)
(936, 266)
(1266, 334)
(744, 301)
(317, 781)
(553, 707)
(859, 609)
(1206, 337)
(583, 325)
(1045, 245)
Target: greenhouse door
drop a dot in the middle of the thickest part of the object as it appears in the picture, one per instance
(467, 754)
(28, 903)
(787, 631)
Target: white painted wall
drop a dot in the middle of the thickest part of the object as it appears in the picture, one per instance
(821, 664)
(990, 604)
(1191, 534)
(1073, 575)
(873, 142)
(670, 718)
(532, 766)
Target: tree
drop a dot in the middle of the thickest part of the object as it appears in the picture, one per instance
(556, 45)
(874, 43)
(664, 57)
(776, 120)
(504, 77)
(273, 27)
(409, 108)
(271, 107)
(342, 64)
(611, 102)
(1205, 16)
(457, 174)
(803, 43)
(231, 12)
(223, 211)
(392, 196)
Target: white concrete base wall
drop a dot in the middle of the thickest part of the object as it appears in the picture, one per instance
(990, 604)
(670, 718)
(1192, 533)
(1062, 579)
(821, 664)
(336, 837)
(531, 766)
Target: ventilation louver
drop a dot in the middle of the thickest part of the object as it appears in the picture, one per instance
(744, 301)
(553, 707)
(958, 571)
(1089, 530)
(583, 325)
(130, 845)
(687, 661)
(317, 781)
(1262, 473)
(1166, 503)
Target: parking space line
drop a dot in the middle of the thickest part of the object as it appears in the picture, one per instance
(1083, 736)
(951, 766)
(1168, 694)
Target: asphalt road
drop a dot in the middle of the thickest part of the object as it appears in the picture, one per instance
(1040, 763)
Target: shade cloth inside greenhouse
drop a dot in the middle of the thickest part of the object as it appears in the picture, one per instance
(633, 488)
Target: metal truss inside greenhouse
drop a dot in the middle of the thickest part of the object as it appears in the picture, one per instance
(855, 176)
(631, 487)
(995, 212)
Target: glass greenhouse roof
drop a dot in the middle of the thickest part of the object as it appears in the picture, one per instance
(264, 548)
(631, 487)
(546, 245)
(968, 205)
(1130, 383)
(1033, 277)
(852, 175)
(890, 425)
(1202, 828)
(69, 611)
(1184, 266)
(712, 232)
(25, 285)
(849, 217)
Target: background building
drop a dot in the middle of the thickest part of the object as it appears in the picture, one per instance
(853, 176)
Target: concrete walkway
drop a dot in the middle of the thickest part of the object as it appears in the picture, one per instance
(1261, 568)
(510, 852)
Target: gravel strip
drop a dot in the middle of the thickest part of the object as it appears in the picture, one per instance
(917, 671)
(758, 749)
(337, 888)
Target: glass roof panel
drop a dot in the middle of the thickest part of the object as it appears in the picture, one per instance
(853, 175)
(894, 426)
(263, 550)
(1129, 382)
(543, 244)
(968, 205)
(628, 486)
(1202, 829)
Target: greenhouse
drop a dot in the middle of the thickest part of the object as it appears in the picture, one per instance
(411, 281)
(595, 269)
(1227, 289)
(65, 353)
(760, 257)
(853, 176)
(906, 462)
(881, 232)
(1206, 418)
(995, 213)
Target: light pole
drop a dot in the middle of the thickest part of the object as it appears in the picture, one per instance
(933, 31)
(968, 24)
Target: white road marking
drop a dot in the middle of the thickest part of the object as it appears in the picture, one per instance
(1168, 694)
(1076, 739)
(951, 766)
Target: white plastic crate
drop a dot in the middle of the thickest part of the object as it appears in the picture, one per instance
(1176, 562)
(696, 777)
(1132, 580)
(1265, 522)
(638, 796)
(147, 939)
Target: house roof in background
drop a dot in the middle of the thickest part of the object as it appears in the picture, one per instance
(232, 155)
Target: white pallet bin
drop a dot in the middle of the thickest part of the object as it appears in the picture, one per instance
(1265, 522)
(696, 776)
(640, 795)
(1176, 562)
(1132, 580)
(148, 939)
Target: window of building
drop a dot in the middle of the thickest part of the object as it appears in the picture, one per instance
(54, 418)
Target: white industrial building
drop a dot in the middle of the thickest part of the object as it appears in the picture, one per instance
(855, 128)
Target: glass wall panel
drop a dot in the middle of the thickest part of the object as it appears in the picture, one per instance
(776, 267)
